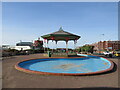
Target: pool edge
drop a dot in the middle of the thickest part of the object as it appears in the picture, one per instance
(68, 74)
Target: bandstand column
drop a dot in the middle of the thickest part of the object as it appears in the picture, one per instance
(67, 46)
(75, 41)
(52, 38)
(52, 46)
(44, 44)
(47, 44)
(56, 44)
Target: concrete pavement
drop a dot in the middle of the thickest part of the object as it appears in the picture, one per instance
(13, 78)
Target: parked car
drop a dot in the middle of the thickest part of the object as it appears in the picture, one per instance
(117, 53)
(108, 53)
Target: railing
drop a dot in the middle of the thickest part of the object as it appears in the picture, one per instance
(62, 54)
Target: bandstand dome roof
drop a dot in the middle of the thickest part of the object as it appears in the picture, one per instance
(61, 35)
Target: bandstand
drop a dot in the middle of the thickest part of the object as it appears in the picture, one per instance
(61, 35)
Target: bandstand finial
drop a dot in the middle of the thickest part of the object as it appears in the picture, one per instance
(60, 28)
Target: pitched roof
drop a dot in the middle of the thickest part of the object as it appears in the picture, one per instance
(61, 31)
(61, 34)
(24, 44)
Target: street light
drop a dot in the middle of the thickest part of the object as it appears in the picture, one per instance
(100, 44)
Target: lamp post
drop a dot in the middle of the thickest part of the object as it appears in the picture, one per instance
(100, 44)
(102, 36)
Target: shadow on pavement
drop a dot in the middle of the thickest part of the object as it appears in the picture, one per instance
(88, 88)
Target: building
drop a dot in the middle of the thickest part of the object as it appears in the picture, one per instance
(24, 46)
(5, 47)
(101, 46)
(38, 44)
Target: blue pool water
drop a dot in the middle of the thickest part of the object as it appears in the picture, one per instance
(72, 65)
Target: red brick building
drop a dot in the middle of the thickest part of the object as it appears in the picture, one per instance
(101, 46)
(38, 44)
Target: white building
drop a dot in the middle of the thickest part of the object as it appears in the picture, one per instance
(22, 47)
(5, 47)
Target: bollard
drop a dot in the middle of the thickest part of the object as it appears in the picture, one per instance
(49, 54)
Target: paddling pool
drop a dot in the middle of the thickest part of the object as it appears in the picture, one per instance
(66, 66)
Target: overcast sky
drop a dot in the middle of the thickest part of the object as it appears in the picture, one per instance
(27, 21)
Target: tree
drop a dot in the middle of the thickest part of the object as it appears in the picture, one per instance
(86, 48)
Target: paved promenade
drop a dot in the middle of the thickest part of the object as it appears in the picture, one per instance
(13, 78)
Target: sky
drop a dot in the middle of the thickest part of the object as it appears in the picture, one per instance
(26, 21)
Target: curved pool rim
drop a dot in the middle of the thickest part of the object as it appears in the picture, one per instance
(69, 74)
